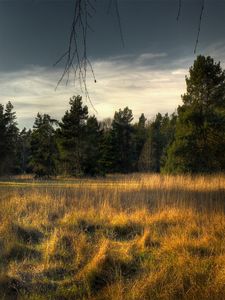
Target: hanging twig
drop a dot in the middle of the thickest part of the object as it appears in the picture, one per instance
(75, 57)
(76, 54)
(199, 25)
(179, 10)
(119, 21)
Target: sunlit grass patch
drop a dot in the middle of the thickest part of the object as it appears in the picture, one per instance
(133, 238)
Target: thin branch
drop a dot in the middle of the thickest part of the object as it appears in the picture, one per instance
(76, 58)
(179, 9)
(199, 25)
(119, 21)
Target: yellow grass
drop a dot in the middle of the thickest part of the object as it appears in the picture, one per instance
(123, 237)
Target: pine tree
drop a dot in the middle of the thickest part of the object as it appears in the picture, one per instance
(72, 136)
(44, 152)
(122, 141)
(92, 151)
(2, 139)
(140, 136)
(199, 144)
(160, 135)
(24, 151)
(106, 147)
(8, 139)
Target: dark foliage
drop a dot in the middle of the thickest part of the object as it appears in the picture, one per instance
(191, 141)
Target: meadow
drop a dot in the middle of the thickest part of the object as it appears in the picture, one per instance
(130, 237)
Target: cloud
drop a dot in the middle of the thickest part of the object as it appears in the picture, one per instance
(146, 57)
(217, 51)
(120, 82)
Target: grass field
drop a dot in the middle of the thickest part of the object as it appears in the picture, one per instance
(123, 237)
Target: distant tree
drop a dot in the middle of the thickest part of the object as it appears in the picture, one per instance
(92, 148)
(106, 124)
(72, 137)
(44, 152)
(23, 151)
(106, 147)
(2, 139)
(199, 144)
(122, 146)
(140, 133)
(140, 136)
(142, 122)
(107, 152)
(160, 135)
(168, 128)
(8, 139)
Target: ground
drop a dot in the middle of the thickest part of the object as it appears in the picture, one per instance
(131, 237)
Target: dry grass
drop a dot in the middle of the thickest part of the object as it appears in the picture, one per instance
(126, 237)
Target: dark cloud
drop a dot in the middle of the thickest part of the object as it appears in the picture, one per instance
(147, 73)
(36, 32)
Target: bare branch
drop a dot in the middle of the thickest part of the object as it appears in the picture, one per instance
(75, 57)
(199, 25)
(119, 20)
(179, 10)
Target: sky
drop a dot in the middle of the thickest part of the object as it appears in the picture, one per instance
(147, 73)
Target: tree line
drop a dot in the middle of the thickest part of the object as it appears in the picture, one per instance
(192, 140)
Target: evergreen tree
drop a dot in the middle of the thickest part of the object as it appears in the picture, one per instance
(72, 135)
(156, 143)
(199, 144)
(122, 141)
(140, 136)
(92, 151)
(160, 135)
(44, 153)
(24, 151)
(106, 147)
(168, 128)
(2, 139)
(107, 153)
(8, 139)
(106, 124)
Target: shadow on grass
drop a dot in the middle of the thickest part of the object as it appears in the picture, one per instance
(20, 252)
(28, 235)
